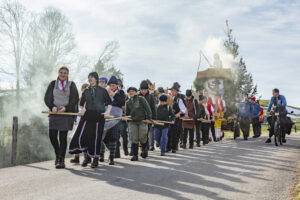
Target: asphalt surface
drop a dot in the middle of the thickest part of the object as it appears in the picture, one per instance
(224, 170)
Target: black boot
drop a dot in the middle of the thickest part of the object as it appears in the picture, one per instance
(125, 147)
(56, 159)
(118, 153)
(95, 163)
(75, 160)
(61, 163)
(111, 160)
(131, 151)
(268, 140)
(86, 161)
(101, 157)
(135, 151)
(144, 153)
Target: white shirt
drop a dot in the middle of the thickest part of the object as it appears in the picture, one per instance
(60, 85)
(180, 104)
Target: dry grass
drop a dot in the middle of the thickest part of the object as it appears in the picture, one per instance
(295, 191)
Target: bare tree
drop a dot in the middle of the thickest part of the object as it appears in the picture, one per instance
(104, 65)
(14, 24)
(51, 43)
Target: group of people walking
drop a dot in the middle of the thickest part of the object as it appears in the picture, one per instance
(144, 119)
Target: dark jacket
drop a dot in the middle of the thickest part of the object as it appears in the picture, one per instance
(73, 99)
(202, 113)
(176, 103)
(95, 99)
(138, 108)
(151, 101)
(119, 99)
(164, 113)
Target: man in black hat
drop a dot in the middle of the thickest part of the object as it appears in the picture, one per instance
(179, 109)
(144, 92)
(191, 114)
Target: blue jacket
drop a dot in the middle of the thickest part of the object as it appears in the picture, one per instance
(281, 102)
(245, 109)
(255, 110)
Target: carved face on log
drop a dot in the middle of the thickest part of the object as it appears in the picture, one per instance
(214, 86)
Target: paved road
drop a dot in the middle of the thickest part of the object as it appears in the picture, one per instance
(225, 170)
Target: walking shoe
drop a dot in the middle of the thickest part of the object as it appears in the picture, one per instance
(162, 154)
(190, 147)
(283, 140)
(111, 160)
(95, 163)
(135, 152)
(198, 145)
(75, 160)
(245, 138)
(56, 160)
(173, 151)
(86, 160)
(268, 140)
(126, 153)
(152, 149)
(144, 153)
(60, 163)
(101, 157)
(134, 158)
(183, 146)
(118, 155)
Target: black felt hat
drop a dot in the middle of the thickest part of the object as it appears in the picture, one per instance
(113, 80)
(176, 86)
(131, 88)
(188, 93)
(144, 85)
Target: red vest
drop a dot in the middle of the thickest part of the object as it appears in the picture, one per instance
(209, 109)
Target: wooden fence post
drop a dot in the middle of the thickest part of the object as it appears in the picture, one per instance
(14, 141)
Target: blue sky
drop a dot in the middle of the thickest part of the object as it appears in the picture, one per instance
(160, 40)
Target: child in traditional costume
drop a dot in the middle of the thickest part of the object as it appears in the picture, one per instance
(145, 92)
(112, 128)
(163, 113)
(138, 108)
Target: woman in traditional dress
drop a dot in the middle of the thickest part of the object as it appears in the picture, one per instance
(61, 96)
(88, 135)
